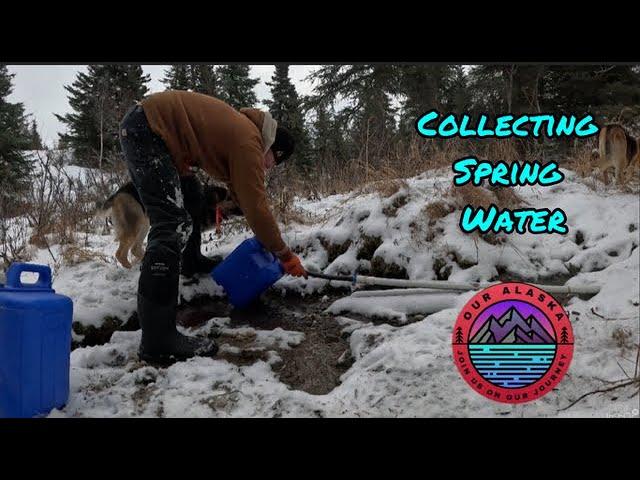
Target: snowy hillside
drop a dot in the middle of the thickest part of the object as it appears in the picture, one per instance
(390, 356)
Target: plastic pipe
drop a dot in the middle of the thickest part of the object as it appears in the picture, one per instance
(446, 285)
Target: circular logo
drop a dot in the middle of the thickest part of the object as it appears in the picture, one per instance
(512, 342)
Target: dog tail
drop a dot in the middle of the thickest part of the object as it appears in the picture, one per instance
(103, 209)
(612, 142)
(108, 203)
(618, 143)
(602, 143)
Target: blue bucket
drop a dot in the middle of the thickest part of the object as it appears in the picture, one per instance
(35, 344)
(247, 272)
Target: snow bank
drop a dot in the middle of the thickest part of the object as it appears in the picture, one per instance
(394, 307)
(400, 369)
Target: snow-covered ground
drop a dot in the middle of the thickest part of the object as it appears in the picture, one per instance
(402, 367)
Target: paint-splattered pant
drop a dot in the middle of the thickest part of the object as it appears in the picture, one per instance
(153, 173)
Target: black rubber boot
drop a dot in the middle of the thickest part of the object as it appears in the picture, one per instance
(161, 342)
(157, 304)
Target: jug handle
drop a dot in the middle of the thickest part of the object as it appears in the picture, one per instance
(16, 270)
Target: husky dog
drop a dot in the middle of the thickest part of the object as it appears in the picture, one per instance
(617, 149)
(132, 224)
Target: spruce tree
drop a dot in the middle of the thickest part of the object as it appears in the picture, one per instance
(514, 89)
(368, 116)
(609, 92)
(204, 79)
(284, 103)
(321, 130)
(422, 88)
(99, 99)
(237, 86)
(34, 136)
(509, 89)
(487, 90)
(457, 97)
(15, 165)
(194, 78)
(285, 107)
(178, 77)
(328, 143)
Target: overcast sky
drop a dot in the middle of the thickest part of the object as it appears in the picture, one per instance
(41, 89)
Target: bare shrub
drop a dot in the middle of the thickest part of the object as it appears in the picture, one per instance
(60, 208)
(14, 241)
(46, 187)
(100, 184)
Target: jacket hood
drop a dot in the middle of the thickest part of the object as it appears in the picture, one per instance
(266, 124)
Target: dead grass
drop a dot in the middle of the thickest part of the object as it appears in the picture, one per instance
(508, 150)
(472, 195)
(501, 197)
(388, 187)
(507, 197)
(425, 228)
(623, 338)
(285, 210)
(74, 255)
(583, 161)
(436, 210)
(384, 175)
(385, 188)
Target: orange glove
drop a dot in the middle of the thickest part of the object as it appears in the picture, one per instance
(292, 264)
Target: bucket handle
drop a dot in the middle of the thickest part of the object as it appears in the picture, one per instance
(17, 269)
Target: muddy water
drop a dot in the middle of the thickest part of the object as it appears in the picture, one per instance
(314, 366)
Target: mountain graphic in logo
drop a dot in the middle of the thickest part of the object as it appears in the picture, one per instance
(511, 328)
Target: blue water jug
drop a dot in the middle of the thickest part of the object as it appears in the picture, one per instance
(35, 344)
(247, 272)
